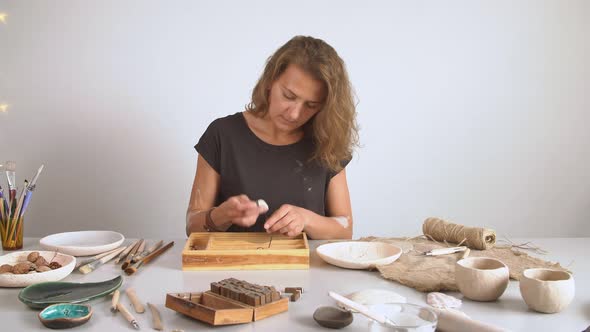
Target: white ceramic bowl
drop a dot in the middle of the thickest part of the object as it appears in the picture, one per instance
(22, 280)
(358, 255)
(547, 290)
(481, 278)
(83, 243)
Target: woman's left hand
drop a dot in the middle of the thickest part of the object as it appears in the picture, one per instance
(289, 220)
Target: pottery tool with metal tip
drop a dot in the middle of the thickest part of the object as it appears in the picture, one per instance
(139, 308)
(128, 316)
(444, 251)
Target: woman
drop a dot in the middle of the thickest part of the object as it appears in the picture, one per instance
(289, 148)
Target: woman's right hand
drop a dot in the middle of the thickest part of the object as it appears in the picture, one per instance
(240, 210)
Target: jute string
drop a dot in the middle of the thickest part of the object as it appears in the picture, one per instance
(473, 237)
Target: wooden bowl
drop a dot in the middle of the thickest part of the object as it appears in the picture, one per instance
(481, 278)
(547, 290)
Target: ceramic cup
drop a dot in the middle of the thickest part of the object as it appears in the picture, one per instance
(481, 278)
(547, 290)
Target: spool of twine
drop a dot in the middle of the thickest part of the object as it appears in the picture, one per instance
(473, 237)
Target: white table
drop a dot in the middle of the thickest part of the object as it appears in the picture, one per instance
(164, 275)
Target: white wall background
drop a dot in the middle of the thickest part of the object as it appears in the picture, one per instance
(476, 111)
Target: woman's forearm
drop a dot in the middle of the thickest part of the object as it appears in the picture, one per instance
(196, 220)
(325, 228)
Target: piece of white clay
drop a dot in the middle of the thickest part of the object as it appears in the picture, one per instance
(343, 221)
(442, 301)
(375, 296)
(262, 203)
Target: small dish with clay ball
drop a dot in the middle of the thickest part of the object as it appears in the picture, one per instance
(24, 268)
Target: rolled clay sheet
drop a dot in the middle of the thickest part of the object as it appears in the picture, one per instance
(473, 237)
(450, 320)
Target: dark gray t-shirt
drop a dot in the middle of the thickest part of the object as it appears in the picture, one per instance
(278, 174)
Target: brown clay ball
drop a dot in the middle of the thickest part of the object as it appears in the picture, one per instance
(6, 268)
(54, 265)
(43, 268)
(32, 257)
(21, 268)
(41, 261)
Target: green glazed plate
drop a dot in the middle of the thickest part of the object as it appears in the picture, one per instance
(41, 295)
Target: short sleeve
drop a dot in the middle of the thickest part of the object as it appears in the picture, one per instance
(343, 163)
(209, 146)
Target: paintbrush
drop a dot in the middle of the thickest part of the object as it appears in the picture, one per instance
(10, 168)
(93, 265)
(139, 251)
(93, 258)
(16, 213)
(125, 252)
(132, 253)
(133, 268)
(144, 253)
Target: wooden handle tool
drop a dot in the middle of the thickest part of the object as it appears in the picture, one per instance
(146, 252)
(128, 316)
(131, 254)
(157, 318)
(124, 254)
(133, 268)
(115, 301)
(93, 265)
(135, 301)
(93, 258)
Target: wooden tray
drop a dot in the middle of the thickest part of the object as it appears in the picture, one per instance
(245, 251)
(215, 309)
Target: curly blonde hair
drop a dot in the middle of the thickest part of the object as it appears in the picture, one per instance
(334, 128)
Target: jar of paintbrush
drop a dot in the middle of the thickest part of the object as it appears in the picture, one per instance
(13, 206)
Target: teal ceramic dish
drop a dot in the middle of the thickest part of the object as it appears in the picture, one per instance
(65, 315)
(41, 295)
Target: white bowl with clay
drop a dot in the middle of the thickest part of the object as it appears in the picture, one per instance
(481, 278)
(67, 263)
(547, 290)
(358, 255)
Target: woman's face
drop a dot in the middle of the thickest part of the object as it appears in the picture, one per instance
(295, 97)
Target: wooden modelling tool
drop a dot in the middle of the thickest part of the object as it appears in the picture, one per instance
(139, 308)
(115, 301)
(156, 317)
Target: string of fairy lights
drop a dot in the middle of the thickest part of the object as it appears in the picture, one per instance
(3, 105)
